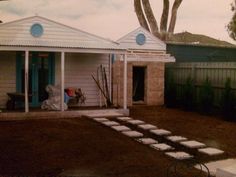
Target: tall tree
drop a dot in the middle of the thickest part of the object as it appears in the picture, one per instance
(165, 15)
(147, 19)
(140, 14)
(174, 15)
(232, 23)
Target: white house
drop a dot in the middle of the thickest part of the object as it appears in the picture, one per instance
(36, 51)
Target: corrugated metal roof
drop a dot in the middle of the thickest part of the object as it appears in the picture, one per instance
(17, 33)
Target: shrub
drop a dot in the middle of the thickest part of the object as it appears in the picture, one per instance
(206, 97)
(170, 91)
(188, 94)
(228, 101)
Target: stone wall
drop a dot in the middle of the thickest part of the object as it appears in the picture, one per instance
(154, 82)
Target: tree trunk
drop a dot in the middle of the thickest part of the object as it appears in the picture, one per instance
(151, 18)
(174, 15)
(139, 12)
(164, 16)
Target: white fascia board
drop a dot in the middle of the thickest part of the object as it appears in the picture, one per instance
(168, 60)
(69, 50)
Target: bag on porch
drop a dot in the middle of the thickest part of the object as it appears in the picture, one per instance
(54, 99)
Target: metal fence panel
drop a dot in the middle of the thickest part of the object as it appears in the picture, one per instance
(216, 72)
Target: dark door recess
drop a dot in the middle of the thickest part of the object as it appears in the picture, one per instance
(138, 84)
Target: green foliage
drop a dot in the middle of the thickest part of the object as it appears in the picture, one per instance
(228, 101)
(206, 97)
(170, 91)
(232, 24)
(188, 94)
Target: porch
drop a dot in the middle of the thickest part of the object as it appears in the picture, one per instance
(37, 114)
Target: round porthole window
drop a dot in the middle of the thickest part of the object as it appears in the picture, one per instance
(36, 30)
(140, 39)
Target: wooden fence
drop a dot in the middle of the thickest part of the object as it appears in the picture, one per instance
(216, 72)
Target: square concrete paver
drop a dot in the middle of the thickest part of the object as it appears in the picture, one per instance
(229, 171)
(147, 126)
(213, 166)
(124, 118)
(162, 147)
(176, 138)
(121, 128)
(211, 151)
(192, 144)
(100, 119)
(179, 155)
(160, 132)
(133, 134)
(147, 140)
(135, 122)
(110, 123)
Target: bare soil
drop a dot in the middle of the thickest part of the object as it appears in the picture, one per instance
(50, 147)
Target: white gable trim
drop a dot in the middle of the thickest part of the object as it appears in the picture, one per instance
(56, 35)
(154, 40)
(58, 23)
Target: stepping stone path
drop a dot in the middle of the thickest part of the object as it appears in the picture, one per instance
(133, 134)
(147, 141)
(147, 126)
(176, 138)
(211, 151)
(179, 155)
(160, 132)
(110, 123)
(162, 147)
(124, 118)
(121, 128)
(100, 119)
(135, 122)
(192, 144)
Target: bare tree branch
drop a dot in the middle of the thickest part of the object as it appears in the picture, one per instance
(164, 16)
(151, 18)
(174, 15)
(139, 12)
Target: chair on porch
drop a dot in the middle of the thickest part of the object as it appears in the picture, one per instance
(74, 96)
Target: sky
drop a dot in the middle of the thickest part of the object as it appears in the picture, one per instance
(114, 18)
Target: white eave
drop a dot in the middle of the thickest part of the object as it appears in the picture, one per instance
(16, 35)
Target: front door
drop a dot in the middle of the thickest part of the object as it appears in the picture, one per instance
(41, 73)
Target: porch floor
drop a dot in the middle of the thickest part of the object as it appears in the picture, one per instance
(37, 113)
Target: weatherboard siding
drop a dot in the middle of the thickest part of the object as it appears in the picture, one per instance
(79, 69)
(151, 43)
(7, 76)
(18, 33)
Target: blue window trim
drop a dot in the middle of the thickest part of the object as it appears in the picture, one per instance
(140, 39)
(36, 30)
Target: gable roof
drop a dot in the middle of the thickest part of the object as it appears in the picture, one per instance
(56, 35)
(187, 38)
(151, 43)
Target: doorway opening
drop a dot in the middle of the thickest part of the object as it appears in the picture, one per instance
(138, 84)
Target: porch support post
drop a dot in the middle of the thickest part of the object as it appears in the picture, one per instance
(26, 81)
(62, 79)
(125, 82)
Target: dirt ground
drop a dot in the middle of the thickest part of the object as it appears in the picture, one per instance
(82, 146)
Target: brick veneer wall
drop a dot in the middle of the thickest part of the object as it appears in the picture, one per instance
(154, 82)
